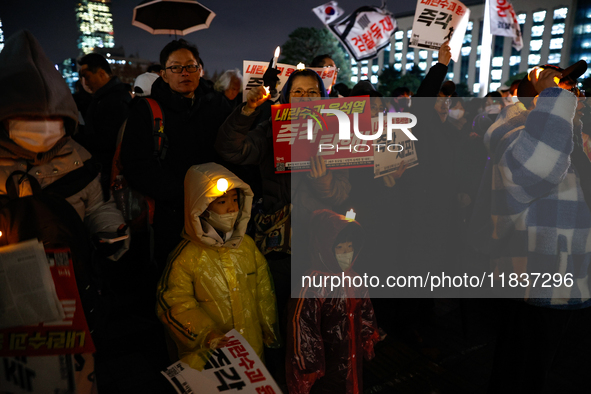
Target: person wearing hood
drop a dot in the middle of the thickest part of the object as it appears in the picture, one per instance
(216, 279)
(38, 116)
(106, 113)
(37, 119)
(191, 122)
(331, 332)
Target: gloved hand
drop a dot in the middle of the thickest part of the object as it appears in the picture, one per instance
(109, 243)
(271, 79)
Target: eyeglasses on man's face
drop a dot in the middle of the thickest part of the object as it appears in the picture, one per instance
(307, 93)
(191, 68)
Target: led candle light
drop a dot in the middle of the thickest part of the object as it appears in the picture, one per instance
(222, 185)
(301, 66)
(350, 214)
(275, 57)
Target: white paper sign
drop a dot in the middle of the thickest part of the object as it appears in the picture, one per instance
(503, 21)
(437, 21)
(234, 368)
(387, 158)
(253, 76)
(365, 32)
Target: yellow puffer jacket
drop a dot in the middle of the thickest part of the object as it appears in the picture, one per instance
(212, 285)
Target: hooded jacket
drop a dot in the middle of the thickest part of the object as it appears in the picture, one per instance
(32, 87)
(211, 285)
(330, 332)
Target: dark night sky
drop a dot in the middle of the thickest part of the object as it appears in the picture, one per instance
(241, 30)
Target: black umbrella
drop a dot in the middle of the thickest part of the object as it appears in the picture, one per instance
(171, 16)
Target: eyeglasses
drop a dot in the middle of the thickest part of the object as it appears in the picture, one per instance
(191, 68)
(302, 92)
(337, 69)
(444, 100)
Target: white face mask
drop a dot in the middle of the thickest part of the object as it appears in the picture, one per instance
(344, 260)
(456, 113)
(224, 223)
(493, 109)
(36, 135)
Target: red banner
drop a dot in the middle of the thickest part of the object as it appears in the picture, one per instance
(293, 146)
(68, 336)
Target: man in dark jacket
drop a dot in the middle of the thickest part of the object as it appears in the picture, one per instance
(106, 113)
(191, 122)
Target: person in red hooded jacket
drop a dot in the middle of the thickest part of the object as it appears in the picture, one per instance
(330, 332)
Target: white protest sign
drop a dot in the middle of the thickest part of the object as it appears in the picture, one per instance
(365, 32)
(503, 21)
(231, 369)
(253, 76)
(437, 21)
(388, 155)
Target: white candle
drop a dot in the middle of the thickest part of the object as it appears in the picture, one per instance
(350, 214)
(275, 57)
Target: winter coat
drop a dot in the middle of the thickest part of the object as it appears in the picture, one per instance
(191, 127)
(106, 113)
(211, 285)
(329, 333)
(24, 68)
(540, 220)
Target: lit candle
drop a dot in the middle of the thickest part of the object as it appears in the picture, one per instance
(350, 214)
(267, 90)
(275, 57)
(222, 185)
(301, 66)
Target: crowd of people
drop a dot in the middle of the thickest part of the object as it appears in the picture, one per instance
(505, 178)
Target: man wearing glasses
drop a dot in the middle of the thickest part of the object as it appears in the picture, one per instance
(190, 127)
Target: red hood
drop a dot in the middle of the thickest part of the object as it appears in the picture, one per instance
(325, 227)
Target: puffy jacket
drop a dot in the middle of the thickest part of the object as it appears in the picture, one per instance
(329, 333)
(31, 86)
(211, 285)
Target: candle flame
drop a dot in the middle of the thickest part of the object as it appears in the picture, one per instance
(267, 90)
(277, 51)
(301, 66)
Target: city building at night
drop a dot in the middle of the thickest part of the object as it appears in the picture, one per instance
(95, 25)
(554, 32)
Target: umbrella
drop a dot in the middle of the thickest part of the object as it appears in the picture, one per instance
(171, 16)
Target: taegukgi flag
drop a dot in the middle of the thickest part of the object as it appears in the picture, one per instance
(328, 12)
(503, 21)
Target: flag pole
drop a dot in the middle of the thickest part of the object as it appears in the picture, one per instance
(485, 52)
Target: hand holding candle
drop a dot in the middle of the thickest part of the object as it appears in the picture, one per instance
(256, 97)
(270, 78)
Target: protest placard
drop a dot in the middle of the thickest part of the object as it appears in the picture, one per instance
(365, 32)
(437, 21)
(293, 147)
(388, 161)
(233, 368)
(503, 21)
(69, 335)
(253, 76)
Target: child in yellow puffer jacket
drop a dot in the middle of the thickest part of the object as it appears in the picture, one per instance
(216, 279)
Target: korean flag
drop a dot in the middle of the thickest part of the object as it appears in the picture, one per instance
(328, 12)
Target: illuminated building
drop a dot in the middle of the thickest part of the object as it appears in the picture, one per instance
(554, 32)
(95, 23)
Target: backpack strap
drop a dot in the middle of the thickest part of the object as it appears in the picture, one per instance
(74, 181)
(160, 138)
(12, 187)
